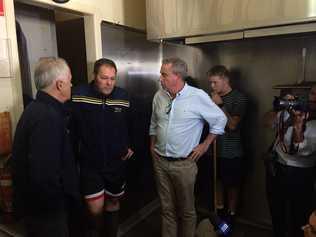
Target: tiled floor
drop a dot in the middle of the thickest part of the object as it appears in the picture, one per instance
(151, 227)
(148, 227)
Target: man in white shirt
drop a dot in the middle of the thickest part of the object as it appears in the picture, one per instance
(178, 116)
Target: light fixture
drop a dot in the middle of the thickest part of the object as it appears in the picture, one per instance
(61, 1)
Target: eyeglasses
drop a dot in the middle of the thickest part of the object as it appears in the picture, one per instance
(169, 107)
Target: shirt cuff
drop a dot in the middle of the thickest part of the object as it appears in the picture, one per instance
(152, 133)
(217, 131)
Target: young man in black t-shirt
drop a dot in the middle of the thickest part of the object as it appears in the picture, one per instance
(233, 103)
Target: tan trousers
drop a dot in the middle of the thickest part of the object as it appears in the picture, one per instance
(175, 184)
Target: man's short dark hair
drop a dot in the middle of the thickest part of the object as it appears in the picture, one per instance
(219, 70)
(102, 62)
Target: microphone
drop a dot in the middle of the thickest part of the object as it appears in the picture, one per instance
(220, 226)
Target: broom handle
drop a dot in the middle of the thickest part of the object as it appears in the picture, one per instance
(215, 175)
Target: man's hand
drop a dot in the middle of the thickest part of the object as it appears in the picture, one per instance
(308, 231)
(152, 147)
(216, 98)
(310, 228)
(154, 154)
(198, 151)
(289, 97)
(128, 155)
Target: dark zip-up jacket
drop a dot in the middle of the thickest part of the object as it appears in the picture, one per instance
(43, 165)
(101, 126)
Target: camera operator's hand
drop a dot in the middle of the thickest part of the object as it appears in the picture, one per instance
(216, 98)
(299, 119)
(289, 97)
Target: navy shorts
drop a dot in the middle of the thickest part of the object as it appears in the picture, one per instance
(96, 184)
(230, 171)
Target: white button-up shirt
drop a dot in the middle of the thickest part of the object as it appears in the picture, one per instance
(178, 123)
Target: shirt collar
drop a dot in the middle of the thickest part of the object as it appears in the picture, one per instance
(181, 92)
(48, 99)
(184, 90)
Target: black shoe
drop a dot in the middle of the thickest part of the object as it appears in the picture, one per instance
(230, 219)
(221, 213)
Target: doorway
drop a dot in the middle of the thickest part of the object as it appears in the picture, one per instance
(43, 33)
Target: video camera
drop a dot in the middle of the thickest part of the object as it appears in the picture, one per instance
(297, 104)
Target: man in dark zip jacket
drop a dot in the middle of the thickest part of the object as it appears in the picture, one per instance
(44, 172)
(101, 118)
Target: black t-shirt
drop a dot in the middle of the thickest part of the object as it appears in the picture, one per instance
(230, 143)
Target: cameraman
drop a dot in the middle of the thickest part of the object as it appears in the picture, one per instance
(290, 181)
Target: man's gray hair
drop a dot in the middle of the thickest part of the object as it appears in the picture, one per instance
(179, 67)
(49, 69)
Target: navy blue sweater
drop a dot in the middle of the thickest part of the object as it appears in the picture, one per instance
(44, 169)
(101, 127)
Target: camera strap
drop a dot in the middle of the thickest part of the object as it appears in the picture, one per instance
(282, 129)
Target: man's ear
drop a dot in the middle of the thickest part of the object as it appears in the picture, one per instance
(59, 85)
(178, 76)
(226, 79)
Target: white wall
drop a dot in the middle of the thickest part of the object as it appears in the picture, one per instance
(124, 12)
(40, 32)
(10, 87)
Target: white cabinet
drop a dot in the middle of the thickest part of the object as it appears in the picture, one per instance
(181, 18)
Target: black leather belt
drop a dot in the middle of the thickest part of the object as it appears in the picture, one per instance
(169, 158)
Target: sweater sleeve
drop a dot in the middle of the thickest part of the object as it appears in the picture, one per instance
(45, 151)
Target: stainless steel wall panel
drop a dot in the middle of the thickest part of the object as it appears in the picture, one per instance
(138, 65)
